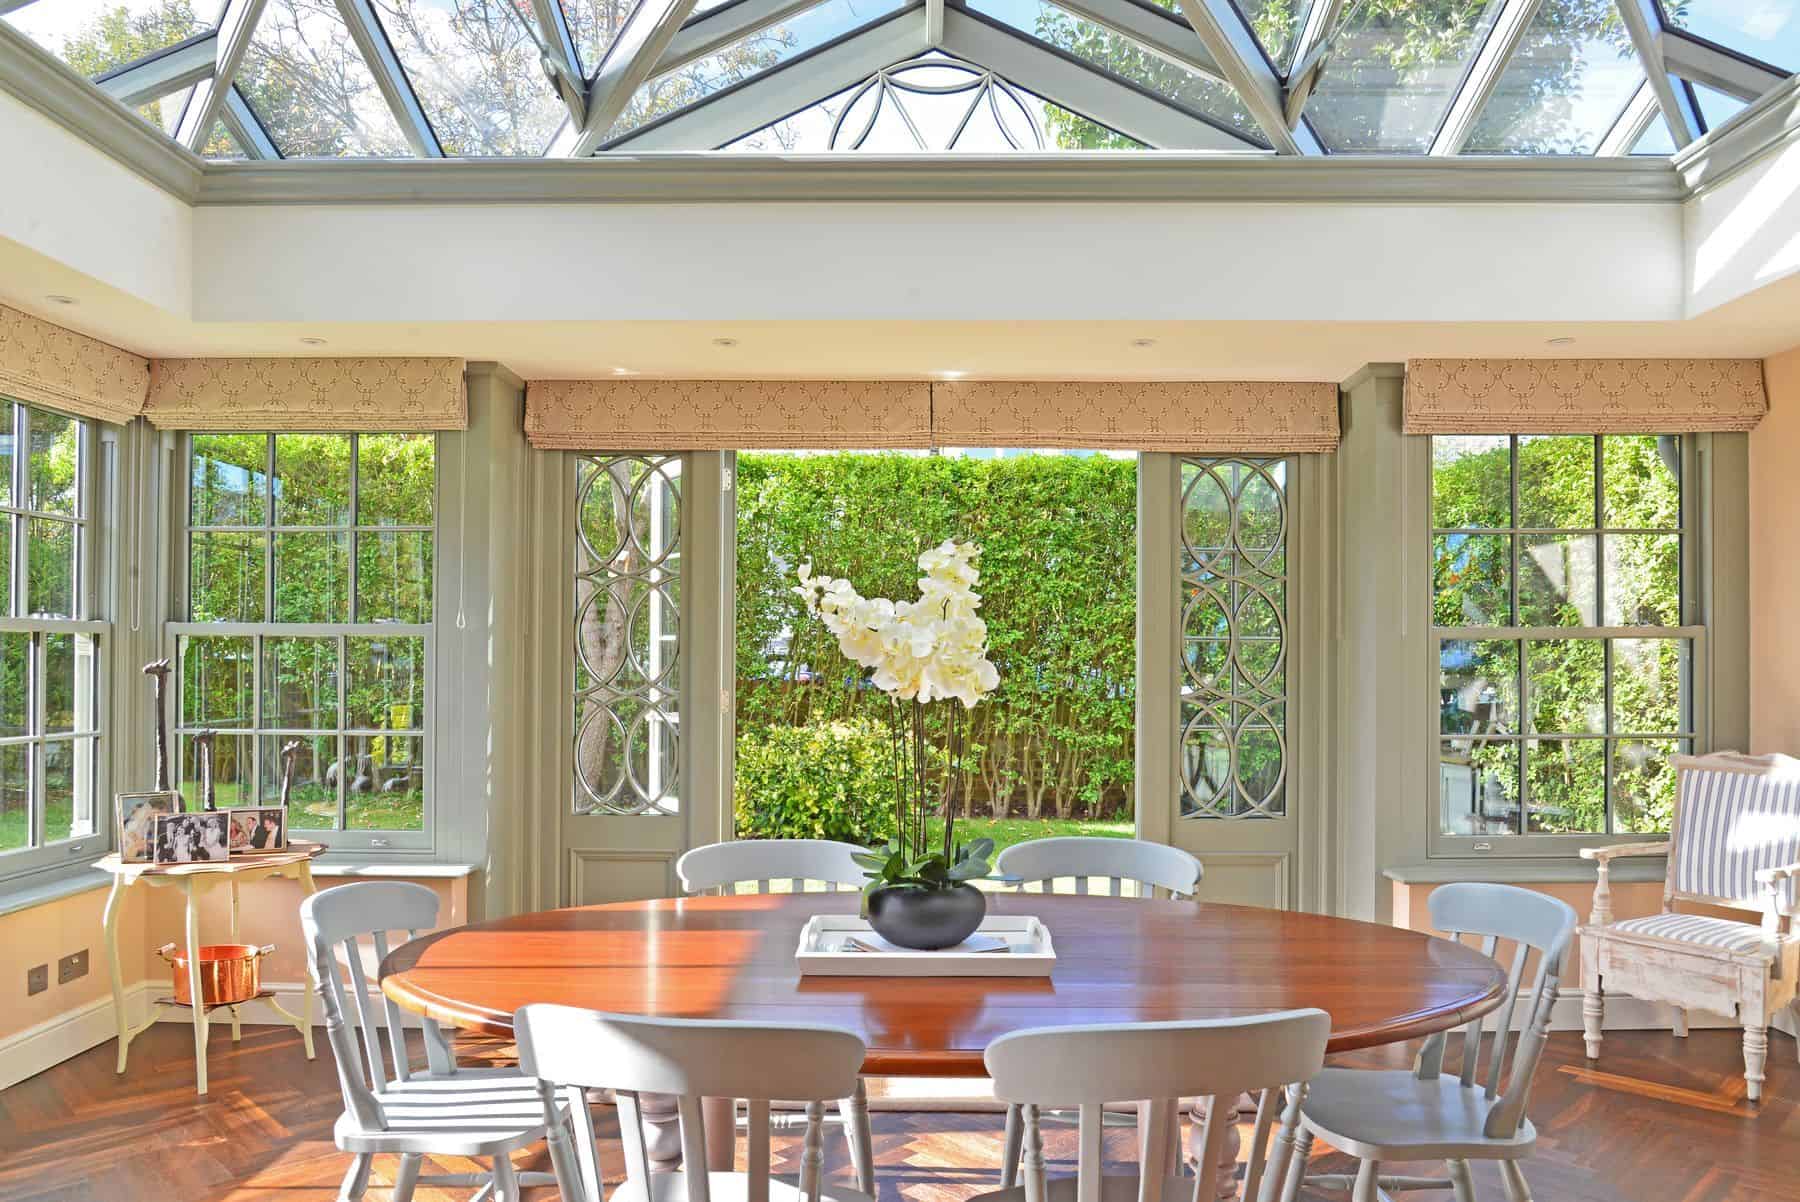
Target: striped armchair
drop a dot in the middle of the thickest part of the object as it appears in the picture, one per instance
(1734, 842)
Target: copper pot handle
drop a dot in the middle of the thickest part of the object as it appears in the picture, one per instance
(166, 951)
(267, 949)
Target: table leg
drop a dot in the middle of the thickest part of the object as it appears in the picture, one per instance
(237, 1033)
(1227, 1108)
(662, 1131)
(307, 889)
(720, 1117)
(114, 902)
(197, 1010)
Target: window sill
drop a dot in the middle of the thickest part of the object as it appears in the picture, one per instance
(1525, 871)
(367, 868)
(43, 888)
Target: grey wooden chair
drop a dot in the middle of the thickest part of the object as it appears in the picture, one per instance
(483, 1114)
(1421, 1114)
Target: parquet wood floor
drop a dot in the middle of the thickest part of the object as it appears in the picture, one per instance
(1657, 1121)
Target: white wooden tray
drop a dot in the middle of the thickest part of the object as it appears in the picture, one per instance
(828, 948)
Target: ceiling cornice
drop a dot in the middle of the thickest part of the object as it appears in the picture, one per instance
(1763, 127)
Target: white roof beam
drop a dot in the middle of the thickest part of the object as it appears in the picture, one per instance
(156, 75)
(1310, 48)
(372, 42)
(1114, 103)
(7, 6)
(1174, 40)
(782, 91)
(1633, 123)
(246, 127)
(1702, 62)
(1484, 75)
(630, 61)
(557, 45)
(1233, 45)
(1644, 23)
(934, 22)
(723, 26)
(236, 25)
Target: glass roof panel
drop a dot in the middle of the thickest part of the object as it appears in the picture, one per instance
(165, 111)
(476, 72)
(1716, 108)
(1128, 58)
(1571, 77)
(947, 105)
(1276, 24)
(315, 96)
(748, 56)
(1657, 140)
(220, 145)
(1393, 71)
(1763, 29)
(593, 24)
(94, 36)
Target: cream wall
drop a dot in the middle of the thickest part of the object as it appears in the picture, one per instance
(1775, 563)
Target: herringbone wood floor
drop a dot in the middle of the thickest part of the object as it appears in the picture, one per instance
(1658, 1121)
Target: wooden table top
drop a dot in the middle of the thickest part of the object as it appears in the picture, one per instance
(1118, 960)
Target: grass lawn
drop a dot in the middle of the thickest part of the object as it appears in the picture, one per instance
(1007, 831)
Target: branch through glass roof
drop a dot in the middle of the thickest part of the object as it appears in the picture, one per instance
(250, 79)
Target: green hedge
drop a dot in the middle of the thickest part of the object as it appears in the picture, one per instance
(826, 781)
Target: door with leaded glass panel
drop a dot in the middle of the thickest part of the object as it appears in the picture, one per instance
(1236, 791)
(643, 539)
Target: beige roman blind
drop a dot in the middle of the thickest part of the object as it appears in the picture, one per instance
(1201, 417)
(1583, 396)
(307, 394)
(1208, 417)
(701, 415)
(44, 364)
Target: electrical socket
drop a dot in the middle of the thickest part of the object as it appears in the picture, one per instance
(72, 966)
(37, 979)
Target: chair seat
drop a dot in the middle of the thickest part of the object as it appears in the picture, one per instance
(473, 1114)
(1697, 929)
(1112, 1189)
(729, 1187)
(1393, 1115)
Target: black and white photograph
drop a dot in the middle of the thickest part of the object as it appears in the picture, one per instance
(203, 838)
(257, 829)
(137, 814)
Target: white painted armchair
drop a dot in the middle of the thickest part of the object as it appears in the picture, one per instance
(1734, 842)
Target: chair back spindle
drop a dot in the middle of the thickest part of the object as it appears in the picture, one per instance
(1540, 928)
(721, 868)
(1157, 868)
(689, 1060)
(335, 922)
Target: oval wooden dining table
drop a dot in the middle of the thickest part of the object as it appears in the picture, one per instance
(1117, 961)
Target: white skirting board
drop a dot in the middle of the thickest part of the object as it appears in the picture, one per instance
(55, 1040)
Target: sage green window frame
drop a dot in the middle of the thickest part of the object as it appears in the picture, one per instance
(93, 485)
(340, 837)
(1700, 585)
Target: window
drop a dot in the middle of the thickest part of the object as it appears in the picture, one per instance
(49, 646)
(1234, 534)
(308, 590)
(1564, 649)
(627, 568)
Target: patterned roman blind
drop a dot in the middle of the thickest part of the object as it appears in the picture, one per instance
(43, 364)
(315, 395)
(711, 415)
(1200, 417)
(1583, 396)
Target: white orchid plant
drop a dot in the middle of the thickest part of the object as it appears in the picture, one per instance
(918, 652)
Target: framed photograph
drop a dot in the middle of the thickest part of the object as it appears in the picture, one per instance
(255, 829)
(137, 814)
(202, 838)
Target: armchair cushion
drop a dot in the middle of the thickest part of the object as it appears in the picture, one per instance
(1696, 929)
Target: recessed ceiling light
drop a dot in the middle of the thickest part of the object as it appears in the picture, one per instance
(312, 342)
(1565, 340)
(57, 298)
(951, 375)
(1143, 343)
(623, 371)
(725, 342)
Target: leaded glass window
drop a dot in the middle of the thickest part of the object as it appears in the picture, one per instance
(627, 636)
(1565, 668)
(1234, 534)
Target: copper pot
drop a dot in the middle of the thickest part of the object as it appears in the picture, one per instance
(230, 973)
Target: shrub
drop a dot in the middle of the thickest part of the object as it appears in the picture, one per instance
(828, 780)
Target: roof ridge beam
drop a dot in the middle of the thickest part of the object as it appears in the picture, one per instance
(1484, 75)
(237, 24)
(390, 78)
(1645, 25)
(629, 63)
(1233, 45)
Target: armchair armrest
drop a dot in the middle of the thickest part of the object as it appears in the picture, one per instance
(1605, 855)
(1601, 914)
(1768, 883)
(1774, 876)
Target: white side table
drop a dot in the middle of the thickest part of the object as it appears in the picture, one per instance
(294, 861)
